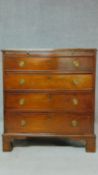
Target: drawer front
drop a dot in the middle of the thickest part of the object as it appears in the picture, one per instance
(25, 81)
(73, 102)
(74, 64)
(58, 82)
(72, 82)
(66, 64)
(28, 63)
(47, 123)
(27, 101)
(43, 101)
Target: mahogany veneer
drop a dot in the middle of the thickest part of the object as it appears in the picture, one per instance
(49, 93)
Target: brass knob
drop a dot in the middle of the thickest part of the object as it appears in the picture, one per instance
(74, 123)
(22, 101)
(75, 101)
(75, 82)
(76, 63)
(21, 63)
(22, 81)
(23, 123)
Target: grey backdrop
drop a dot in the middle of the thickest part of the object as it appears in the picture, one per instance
(33, 24)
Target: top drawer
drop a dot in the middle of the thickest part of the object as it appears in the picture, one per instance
(27, 63)
(49, 62)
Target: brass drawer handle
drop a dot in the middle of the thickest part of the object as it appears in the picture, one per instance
(23, 123)
(76, 63)
(74, 123)
(75, 101)
(22, 81)
(21, 63)
(75, 82)
(22, 101)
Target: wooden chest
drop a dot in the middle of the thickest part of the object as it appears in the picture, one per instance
(49, 93)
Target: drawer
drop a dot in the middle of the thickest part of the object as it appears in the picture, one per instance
(27, 101)
(28, 63)
(62, 64)
(25, 81)
(74, 64)
(74, 102)
(47, 123)
(48, 82)
(72, 82)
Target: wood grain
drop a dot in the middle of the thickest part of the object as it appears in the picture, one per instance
(42, 81)
(65, 64)
(73, 102)
(48, 123)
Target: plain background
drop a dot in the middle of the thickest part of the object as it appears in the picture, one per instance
(34, 24)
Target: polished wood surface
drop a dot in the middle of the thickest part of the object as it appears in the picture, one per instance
(50, 81)
(29, 63)
(48, 123)
(66, 64)
(49, 93)
(49, 53)
(48, 102)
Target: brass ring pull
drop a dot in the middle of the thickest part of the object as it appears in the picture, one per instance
(76, 63)
(74, 123)
(23, 123)
(75, 82)
(21, 63)
(22, 101)
(75, 101)
(22, 81)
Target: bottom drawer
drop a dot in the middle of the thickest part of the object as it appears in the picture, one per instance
(50, 123)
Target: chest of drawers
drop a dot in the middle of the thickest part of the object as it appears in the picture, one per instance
(50, 94)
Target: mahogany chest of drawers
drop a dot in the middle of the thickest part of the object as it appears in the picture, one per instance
(49, 93)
